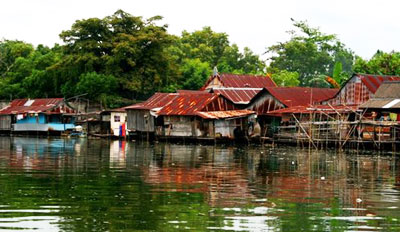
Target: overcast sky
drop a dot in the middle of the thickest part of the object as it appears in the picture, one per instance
(364, 26)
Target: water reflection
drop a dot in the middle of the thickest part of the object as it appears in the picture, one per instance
(100, 185)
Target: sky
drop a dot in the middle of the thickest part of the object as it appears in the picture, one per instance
(363, 26)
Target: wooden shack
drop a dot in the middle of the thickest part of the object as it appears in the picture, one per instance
(382, 113)
(141, 117)
(50, 115)
(202, 116)
(5, 123)
(94, 123)
(265, 100)
(358, 89)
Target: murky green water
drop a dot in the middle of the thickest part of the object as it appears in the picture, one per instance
(99, 185)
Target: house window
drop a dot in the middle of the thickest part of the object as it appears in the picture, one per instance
(117, 118)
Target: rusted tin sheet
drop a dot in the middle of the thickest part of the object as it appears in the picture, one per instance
(301, 96)
(238, 95)
(190, 104)
(359, 89)
(41, 105)
(155, 101)
(225, 114)
(239, 81)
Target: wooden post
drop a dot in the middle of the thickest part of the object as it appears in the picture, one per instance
(309, 138)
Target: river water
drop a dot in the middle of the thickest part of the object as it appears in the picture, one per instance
(100, 185)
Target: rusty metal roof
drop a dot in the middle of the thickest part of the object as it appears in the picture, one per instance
(155, 101)
(225, 114)
(238, 95)
(242, 81)
(187, 104)
(326, 109)
(381, 104)
(40, 105)
(386, 97)
(374, 81)
(389, 89)
(303, 96)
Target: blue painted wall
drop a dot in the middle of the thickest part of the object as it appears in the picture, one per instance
(54, 124)
(33, 119)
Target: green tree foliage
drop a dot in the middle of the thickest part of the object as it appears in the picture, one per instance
(96, 86)
(286, 78)
(24, 70)
(130, 48)
(381, 63)
(310, 53)
(195, 73)
(214, 49)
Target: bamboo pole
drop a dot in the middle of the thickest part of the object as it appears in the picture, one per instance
(302, 128)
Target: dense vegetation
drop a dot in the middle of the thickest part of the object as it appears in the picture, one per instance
(123, 57)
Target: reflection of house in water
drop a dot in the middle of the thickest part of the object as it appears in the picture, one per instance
(34, 153)
(203, 170)
(118, 150)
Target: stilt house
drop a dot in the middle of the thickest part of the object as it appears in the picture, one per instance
(202, 116)
(359, 89)
(51, 115)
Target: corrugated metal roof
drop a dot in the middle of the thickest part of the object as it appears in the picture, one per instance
(374, 81)
(155, 101)
(326, 109)
(225, 114)
(381, 104)
(20, 106)
(238, 95)
(187, 104)
(295, 96)
(242, 80)
(388, 90)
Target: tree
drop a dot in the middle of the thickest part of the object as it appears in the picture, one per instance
(96, 86)
(208, 47)
(194, 73)
(130, 48)
(311, 54)
(285, 78)
(381, 63)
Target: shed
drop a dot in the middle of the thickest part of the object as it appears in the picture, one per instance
(265, 100)
(386, 101)
(141, 117)
(359, 89)
(202, 116)
(39, 115)
(118, 119)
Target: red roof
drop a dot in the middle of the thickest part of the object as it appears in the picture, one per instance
(295, 96)
(374, 81)
(187, 104)
(242, 81)
(40, 105)
(155, 101)
(225, 114)
(326, 109)
(238, 95)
